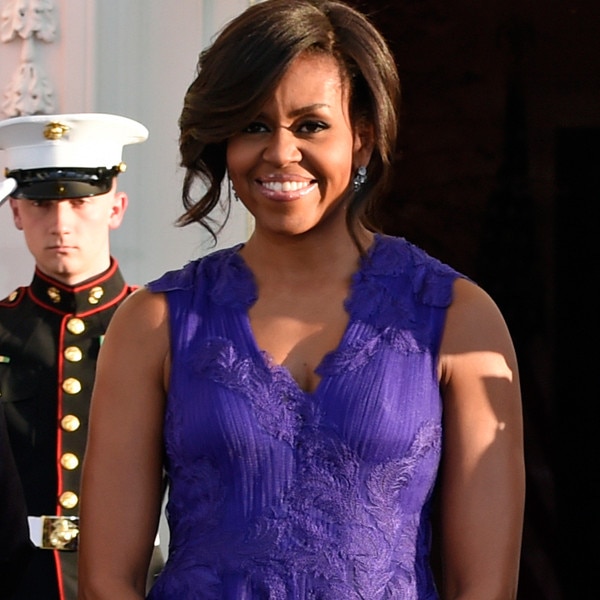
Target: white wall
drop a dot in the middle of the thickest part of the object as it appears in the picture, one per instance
(136, 58)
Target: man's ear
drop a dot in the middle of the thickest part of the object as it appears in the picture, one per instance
(118, 208)
(14, 207)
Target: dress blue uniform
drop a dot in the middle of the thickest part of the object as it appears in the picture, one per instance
(50, 336)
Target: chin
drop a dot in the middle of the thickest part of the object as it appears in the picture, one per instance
(61, 269)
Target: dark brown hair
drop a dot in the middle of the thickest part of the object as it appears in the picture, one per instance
(238, 73)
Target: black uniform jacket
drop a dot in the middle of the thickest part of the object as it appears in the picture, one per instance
(50, 335)
(15, 547)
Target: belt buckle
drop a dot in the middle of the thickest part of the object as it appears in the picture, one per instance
(60, 533)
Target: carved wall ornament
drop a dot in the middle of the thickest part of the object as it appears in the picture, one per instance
(29, 92)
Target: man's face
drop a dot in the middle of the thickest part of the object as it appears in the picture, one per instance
(69, 238)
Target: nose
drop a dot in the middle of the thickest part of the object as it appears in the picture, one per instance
(282, 148)
(61, 214)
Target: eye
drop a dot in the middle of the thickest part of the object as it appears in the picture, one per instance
(255, 127)
(41, 203)
(312, 126)
(78, 202)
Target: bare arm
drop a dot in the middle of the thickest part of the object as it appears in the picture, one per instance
(121, 480)
(483, 474)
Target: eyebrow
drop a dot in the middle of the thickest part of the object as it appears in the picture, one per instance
(304, 109)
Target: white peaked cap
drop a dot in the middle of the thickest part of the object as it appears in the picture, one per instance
(69, 140)
(82, 140)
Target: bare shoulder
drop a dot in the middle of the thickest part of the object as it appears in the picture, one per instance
(143, 307)
(475, 329)
(141, 317)
(473, 318)
(138, 333)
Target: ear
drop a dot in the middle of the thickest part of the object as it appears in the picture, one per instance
(364, 141)
(117, 210)
(14, 207)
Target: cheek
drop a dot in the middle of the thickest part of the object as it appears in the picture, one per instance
(240, 158)
(34, 238)
(339, 165)
(232, 157)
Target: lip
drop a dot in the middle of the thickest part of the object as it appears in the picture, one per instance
(60, 248)
(286, 188)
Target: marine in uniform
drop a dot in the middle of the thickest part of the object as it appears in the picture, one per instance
(51, 333)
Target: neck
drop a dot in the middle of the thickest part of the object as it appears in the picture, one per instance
(304, 257)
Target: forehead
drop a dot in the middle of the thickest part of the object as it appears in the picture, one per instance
(316, 65)
(312, 78)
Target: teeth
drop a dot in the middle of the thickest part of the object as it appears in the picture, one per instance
(285, 186)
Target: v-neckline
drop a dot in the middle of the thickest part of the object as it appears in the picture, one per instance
(267, 359)
(273, 366)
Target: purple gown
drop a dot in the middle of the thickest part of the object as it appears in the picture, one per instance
(278, 494)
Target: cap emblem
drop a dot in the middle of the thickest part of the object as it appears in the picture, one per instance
(55, 130)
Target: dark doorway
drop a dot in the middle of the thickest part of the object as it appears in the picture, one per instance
(576, 447)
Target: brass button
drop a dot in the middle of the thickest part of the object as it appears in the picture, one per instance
(69, 461)
(13, 296)
(75, 326)
(95, 295)
(53, 294)
(71, 385)
(70, 423)
(68, 500)
(73, 354)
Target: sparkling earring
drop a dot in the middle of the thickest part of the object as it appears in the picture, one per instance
(359, 178)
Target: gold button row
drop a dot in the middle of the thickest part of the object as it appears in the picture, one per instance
(71, 385)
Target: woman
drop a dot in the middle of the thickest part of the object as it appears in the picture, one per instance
(311, 392)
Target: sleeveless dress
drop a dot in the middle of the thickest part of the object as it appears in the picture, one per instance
(278, 494)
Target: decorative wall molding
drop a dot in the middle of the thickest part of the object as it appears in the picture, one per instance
(32, 22)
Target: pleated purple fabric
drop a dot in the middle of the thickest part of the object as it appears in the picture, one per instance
(280, 494)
